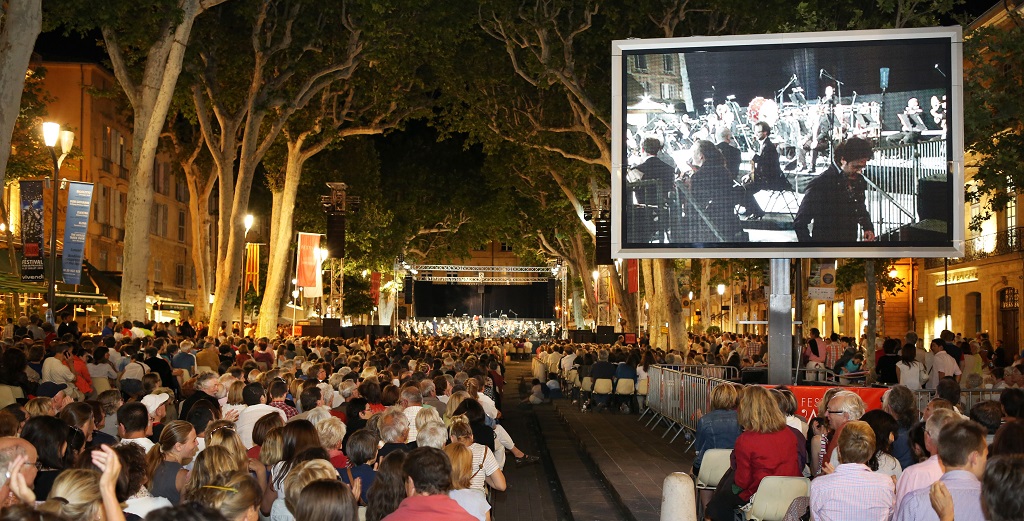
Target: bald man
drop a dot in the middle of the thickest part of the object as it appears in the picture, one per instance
(10, 449)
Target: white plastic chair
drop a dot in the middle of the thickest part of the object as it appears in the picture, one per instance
(713, 466)
(100, 385)
(773, 496)
(603, 386)
(6, 396)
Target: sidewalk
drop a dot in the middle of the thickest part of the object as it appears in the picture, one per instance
(595, 466)
(632, 459)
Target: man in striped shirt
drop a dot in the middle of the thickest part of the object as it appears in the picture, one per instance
(852, 491)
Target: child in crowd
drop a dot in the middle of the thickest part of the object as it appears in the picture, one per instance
(536, 396)
(554, 386)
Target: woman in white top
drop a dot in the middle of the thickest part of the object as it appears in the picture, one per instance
(972, 363)
(463, 472)
(910, 372)
(100, 366)
(884, 427)
(485, 467)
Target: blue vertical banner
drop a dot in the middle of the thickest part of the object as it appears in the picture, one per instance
(76, 227)
(32, 231)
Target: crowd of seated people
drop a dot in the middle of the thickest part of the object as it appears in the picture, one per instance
(892, 463)
(240, 428)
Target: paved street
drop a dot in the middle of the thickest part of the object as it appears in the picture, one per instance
(596, 466)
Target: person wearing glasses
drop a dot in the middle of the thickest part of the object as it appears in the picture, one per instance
(844, 407)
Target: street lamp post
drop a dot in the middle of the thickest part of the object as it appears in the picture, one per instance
(52, 134)
(295, 298)
(721, 312)
(241, 291)
(295, 302)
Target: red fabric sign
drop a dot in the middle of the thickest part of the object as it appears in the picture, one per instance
(808, 396)
(306, 265)
(374, 286)
(633, 275)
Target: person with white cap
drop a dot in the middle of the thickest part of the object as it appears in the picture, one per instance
(156, 405)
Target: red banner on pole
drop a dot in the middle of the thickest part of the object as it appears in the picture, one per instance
(375, 286)
(633, 275)
(306, 264)
(252, 266)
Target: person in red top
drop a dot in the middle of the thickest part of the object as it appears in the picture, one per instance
(82, 378)
(767, 447)
(428, 480)
(243, 355)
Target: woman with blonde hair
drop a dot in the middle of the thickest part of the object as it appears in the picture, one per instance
(485, 466)
(463, 471)
(236, 495)
(40, 406)
(83, 494)
(225, 436)
(427, 415)
(235, 400)
(767, 447)
(298, 477)
(272, 450)
(210, 463)
(165, 461)
(454, 401)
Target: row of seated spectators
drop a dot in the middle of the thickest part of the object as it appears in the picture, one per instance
(891, 463)
(324, 430)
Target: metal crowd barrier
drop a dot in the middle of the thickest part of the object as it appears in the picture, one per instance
(807, 376)
(723, 372)
(679, 398)
(968, 397)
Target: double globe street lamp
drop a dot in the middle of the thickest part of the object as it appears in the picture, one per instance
(52, 136)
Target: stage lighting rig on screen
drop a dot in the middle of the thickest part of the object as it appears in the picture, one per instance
(833, 144)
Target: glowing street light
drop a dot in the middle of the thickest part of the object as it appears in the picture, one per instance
(721, 312)
(52, 134)
(247, 221)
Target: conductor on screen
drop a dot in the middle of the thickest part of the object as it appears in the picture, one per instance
(834, 201)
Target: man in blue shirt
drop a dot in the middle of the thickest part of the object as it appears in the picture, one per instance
(184, 359)
(962, 456)
(108, 328)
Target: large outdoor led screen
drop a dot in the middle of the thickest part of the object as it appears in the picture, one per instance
(840, 144)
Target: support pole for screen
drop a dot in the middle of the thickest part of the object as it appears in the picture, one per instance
(780, 325)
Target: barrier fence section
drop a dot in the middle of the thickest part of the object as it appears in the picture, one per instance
(968, 397)
(679, 398)
(722, 372)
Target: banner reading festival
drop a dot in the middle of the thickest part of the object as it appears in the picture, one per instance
(32, 231)
(76, 227)
(307, 263)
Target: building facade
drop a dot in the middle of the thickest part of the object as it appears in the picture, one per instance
(86, 100)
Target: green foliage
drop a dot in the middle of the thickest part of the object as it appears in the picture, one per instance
(29, 156)
(357, 295)
(851, 272)
(993, 111)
